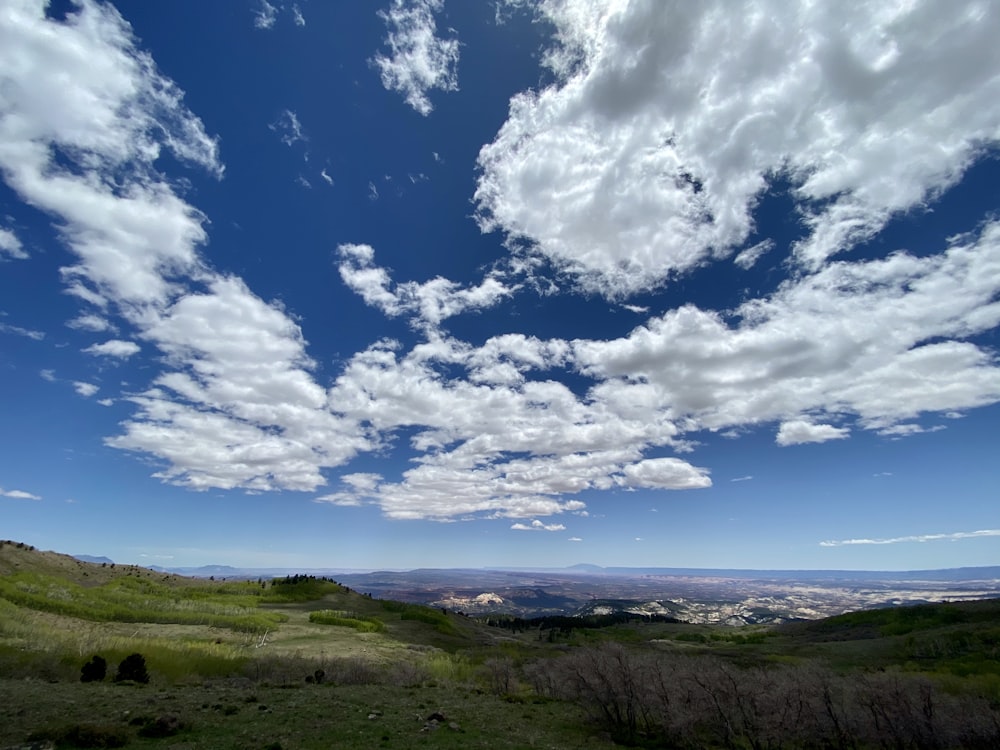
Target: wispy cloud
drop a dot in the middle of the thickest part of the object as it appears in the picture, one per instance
(114, 348)
(288, 128)
(90, 322)
(537, 525)
(18, 495)
(418, 59)
(952, 537)
(10, 245)
(747, 478)
(265, 15)
(19, 331)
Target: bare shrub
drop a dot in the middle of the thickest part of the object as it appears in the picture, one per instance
(352, 671)
(649, 697)
(501, 675)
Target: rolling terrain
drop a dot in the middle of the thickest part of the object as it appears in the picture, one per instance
(305, 661)
(733, 597)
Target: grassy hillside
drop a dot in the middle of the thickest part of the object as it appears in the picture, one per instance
(306, 662)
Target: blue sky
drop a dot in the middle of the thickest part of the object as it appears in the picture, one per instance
(430, 283)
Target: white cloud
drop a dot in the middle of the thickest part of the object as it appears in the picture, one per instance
(905, 430)
(85, 389)
(237, 406)
(18, 494)
(265, 16)
(288, 128)
(800, 431)
(90, 322)
(10, 245)
(297, 16)
(666, 124)
(106, 401)
(20, 331)
(537, 525)
(952, 537)
(429, 303)
(747, 258)
(418, 59)
(114, 348)
(880, 340)
(343, 499)
(48, 375)
(665, 474)
(236, 402)
(79, 89)
(575, 539)
(747, 478)
(326, 177)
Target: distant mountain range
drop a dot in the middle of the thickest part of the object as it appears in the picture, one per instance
(697, 595)
(982, 573)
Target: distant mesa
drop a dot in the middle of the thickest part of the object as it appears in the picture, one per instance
(587, 567)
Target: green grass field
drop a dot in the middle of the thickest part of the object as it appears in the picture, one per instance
(305, 662)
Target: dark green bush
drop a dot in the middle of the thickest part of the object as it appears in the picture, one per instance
(94, 670)
(133, 669)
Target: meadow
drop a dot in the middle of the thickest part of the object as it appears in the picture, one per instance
(308, 663)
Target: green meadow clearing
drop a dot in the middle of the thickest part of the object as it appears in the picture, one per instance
(307, 663)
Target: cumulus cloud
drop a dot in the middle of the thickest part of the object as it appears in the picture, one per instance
(18, 494)
(10, 245)
(114, 348)
(85, 389)
(665, 474)
(952, 537)
(428, 303)
(418, 60)
(90, 322)
(665, 125)
(237, 405)
(80, 90)
(491, 430)
(537, 525)
(801, 431)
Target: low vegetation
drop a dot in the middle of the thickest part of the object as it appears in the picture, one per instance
(113, 656)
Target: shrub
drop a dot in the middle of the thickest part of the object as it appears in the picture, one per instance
(94, 670)
(362, 624)
(132, 668)
(82, 735)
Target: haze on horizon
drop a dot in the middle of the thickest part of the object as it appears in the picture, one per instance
(440, 284)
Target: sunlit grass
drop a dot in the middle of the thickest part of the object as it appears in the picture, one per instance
(128, 599)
